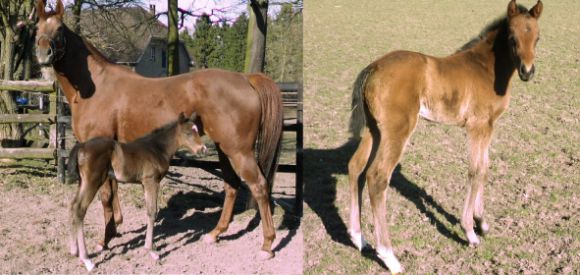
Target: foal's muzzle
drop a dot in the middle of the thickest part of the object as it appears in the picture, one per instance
(525, 74)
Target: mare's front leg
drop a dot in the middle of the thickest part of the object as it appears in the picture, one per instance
(479, 140)
(231, 185)
(151, 189)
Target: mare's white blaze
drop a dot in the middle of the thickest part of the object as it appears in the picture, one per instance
(388, 257)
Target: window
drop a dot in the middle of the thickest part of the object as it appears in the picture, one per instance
(152, 57)
(163, 59)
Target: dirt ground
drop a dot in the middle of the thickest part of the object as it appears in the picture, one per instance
(34, 214)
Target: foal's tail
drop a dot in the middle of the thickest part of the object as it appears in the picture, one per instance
(73, 165)
(357, 116)
(270, 132)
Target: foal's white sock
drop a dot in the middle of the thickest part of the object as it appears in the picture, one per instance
(388, 257)
(358, 240)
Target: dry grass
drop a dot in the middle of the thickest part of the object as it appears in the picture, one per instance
(532, 195)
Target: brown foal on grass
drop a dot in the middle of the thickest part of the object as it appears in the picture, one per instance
(469, 88)
(144, 160)
(241, 113)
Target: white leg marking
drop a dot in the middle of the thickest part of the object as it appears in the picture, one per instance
(473, 239)
(358, 240)
(88, 264)
(388, 257)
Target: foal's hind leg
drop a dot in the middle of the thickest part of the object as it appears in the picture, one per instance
(356, 166)
(394, 133)
(479, 141)
(231, 185)
(107, 195)
(90, 183)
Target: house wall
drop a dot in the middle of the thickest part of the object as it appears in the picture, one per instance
(156, 65)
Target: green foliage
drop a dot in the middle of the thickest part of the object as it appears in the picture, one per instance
(223, 45)
(284, 46)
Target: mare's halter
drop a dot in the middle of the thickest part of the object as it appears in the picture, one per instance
(58, 52)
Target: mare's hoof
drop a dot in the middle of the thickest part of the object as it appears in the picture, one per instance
(88, 264)
(358, 240)
(209, 239)
(472, 238)
(265, 255)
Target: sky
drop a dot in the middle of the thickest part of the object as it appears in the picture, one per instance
(222, 9)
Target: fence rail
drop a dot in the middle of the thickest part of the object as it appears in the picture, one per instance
(47, 87)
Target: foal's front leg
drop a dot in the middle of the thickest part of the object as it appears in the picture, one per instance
(151, 188)
(479, 141)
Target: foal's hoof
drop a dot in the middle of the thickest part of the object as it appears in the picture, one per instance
(153, 255)
(358, 240)
(88, 264)
(390, 260)
(100, 246)
(484, 228)
(265, 255)
(209, 239)
(472, 238)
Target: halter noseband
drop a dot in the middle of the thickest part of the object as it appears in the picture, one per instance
(57, 52)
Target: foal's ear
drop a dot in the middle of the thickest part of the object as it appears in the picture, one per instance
(40, 9)
(512, 9)
(536, 11)
(59, 9)
(182, 118)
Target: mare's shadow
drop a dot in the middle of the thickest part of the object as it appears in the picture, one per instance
(320, 192)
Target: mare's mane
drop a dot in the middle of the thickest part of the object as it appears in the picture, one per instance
(500, 23)
(101, 58)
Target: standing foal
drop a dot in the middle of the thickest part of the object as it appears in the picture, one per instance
(145, 160)
(469, 88)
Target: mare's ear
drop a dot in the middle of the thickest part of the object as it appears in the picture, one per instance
(512, 9)
(536, 11)
(59, 9)
(40, 10)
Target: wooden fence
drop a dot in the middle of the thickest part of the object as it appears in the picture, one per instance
(47, 87)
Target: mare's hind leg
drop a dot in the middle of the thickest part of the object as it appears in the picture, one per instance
(107, 195)
(151, 190)
(356, 166)
(231, 185)
(394, 133)
(479, 140)
(248, 169)
(90, 183)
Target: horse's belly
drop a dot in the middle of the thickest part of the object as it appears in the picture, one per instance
(442, 115)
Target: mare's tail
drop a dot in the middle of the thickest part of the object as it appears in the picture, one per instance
(272, 121)
(73, 164)
(357, 116)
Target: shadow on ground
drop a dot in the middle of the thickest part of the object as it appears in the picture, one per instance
(320, 192)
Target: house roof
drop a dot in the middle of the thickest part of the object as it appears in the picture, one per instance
(121, 34)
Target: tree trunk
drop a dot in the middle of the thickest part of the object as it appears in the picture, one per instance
(172, 39)
(256, 40)
(76, 11)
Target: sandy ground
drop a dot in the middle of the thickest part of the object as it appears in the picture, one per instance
(35, 224)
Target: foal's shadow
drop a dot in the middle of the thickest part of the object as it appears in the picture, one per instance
(320, 193)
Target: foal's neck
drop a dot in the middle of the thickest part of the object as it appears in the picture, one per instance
(164, 141)
(494, 47)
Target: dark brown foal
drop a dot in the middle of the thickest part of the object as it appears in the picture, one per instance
(145, 160)
(469, 88)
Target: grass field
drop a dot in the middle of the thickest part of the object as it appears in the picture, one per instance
(532, 196)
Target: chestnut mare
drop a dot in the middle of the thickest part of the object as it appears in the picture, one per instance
(237, 111)
(144, 160)
(469, 88)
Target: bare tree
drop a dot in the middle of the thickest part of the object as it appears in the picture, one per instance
(256, 40)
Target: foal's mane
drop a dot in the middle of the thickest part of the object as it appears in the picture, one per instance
(500, 23)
